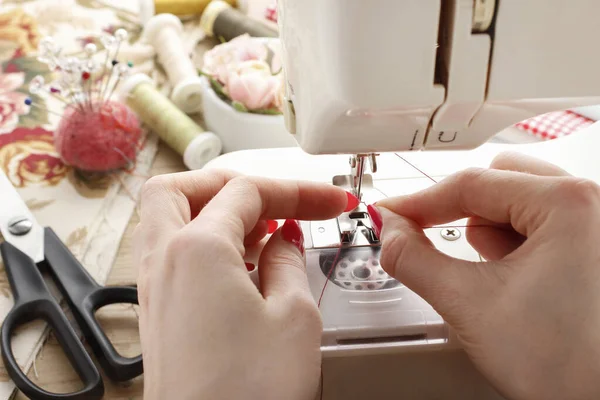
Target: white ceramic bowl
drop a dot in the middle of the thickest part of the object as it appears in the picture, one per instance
(243, 131)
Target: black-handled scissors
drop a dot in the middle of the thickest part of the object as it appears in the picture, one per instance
(26, 246)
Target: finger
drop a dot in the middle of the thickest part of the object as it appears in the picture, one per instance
(257, 234)
(500, 196)
(169, 202)
(262, 229)
(282, 268)
(512, 161)
(236, 209)
(500, 240)
(448, 284)
(491, 240)
(495, 241)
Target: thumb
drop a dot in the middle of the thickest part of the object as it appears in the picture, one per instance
(451, 286)
(282, 268)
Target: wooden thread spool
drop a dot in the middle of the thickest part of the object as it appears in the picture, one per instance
(164, 33)
(222, 21)
(174, 127)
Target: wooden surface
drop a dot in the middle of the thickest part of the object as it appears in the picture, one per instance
(52, 369)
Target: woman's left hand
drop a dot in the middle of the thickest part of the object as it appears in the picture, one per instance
(206, 330)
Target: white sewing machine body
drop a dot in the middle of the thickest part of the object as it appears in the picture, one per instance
(368, 77)
(399, 75)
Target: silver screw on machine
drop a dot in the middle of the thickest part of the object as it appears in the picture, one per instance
(451, 234)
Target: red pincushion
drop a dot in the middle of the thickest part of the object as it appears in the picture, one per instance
(100, 140)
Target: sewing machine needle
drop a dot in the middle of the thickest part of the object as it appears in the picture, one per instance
(361, 171)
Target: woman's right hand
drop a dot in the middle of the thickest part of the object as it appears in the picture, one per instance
(529, 317)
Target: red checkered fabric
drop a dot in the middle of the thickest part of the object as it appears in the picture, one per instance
(555, 125)
(271, 12)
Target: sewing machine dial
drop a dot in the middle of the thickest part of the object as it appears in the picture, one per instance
(356, 268)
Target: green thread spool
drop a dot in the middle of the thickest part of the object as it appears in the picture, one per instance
(171, 124)
(222, 21)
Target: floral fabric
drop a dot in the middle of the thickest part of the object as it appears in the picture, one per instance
(89, 213)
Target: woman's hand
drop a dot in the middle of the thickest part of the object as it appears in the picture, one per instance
(207, 332)
(529, 318)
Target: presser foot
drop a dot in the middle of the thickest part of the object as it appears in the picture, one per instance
(355, 227)
(348, 247)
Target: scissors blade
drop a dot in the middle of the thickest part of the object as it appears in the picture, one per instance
(17, 224)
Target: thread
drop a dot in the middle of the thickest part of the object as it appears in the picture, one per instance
(173, 126)
(322, 382)
(180, 8)
(335, 261)
(222, 21)
(415, 168)
(164, 33)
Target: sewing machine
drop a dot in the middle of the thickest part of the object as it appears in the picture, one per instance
(435, 81)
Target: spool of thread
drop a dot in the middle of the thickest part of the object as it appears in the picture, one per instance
(221, 20)
(164, 33)
(181, 8)
(174, 127)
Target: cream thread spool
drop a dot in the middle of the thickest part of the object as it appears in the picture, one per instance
(164, 32)
(180, 8)
(174, 127)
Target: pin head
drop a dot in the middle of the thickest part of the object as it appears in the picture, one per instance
(123, 70)
(121, 34)
(85, 75)
(36, 84)
(28, 101)
(108, 41)
(46, 43)
(90, 49)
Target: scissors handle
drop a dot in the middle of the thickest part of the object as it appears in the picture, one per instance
(85, 297)
(33, 301)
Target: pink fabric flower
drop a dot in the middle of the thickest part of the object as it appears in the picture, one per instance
(252, 85)
(12, 104)
(220, 60)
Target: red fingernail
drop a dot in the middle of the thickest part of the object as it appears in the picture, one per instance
(353, 202)
(376, 219)
(251, 267)
(291, 232)
(273, 225)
